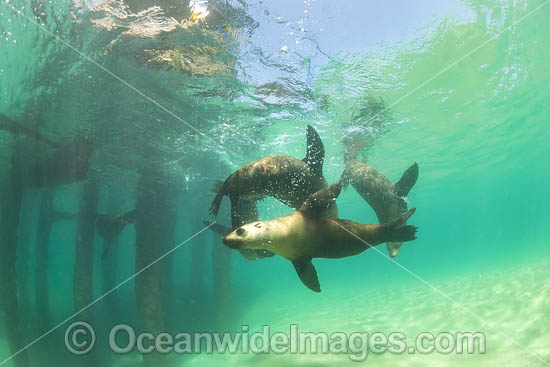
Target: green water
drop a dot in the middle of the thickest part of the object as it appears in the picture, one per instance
(462, 89)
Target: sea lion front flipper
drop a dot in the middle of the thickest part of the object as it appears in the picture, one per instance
(317, 203)
(218, 228)
(407, 181)
(307, 273)
(109, 227)
(315, 154)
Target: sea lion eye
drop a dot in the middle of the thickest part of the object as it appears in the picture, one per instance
(240, 231)
(258, 225)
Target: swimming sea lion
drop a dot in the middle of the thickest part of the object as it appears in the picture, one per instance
(285, 178)
(386, 199)
(109, 227)
(309, 233)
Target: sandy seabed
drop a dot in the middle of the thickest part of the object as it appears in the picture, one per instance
(511, 307)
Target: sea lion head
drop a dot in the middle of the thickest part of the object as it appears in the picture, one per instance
(249, 236)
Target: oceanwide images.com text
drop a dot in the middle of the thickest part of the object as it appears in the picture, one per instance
(80, 339)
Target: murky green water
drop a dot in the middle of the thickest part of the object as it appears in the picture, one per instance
(176, 99)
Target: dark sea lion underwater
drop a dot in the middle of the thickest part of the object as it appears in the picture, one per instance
(109, 227)
(287, 179)
(386, 199)
(310, 232)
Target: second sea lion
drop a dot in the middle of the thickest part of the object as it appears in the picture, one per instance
(386, 199)
(109, 227)
(285, 178)
(309, 233)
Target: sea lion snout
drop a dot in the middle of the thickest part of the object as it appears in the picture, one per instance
(231, 241)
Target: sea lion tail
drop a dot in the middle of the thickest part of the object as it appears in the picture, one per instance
(396, 231)
(407, 181)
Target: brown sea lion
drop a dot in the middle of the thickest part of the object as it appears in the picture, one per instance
(310, 232)
(386, 199)
(285, 178)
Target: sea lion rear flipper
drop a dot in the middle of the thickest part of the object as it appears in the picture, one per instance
(315, 153)
(396, 231)
(307, 273)
(407, 181)
(218, 228)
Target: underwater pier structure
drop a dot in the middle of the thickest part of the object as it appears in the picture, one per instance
(221, 278)
(108, 267)
(32, 168)
(154, 237)
(11, 195)
(47, 217)
(83, 291)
